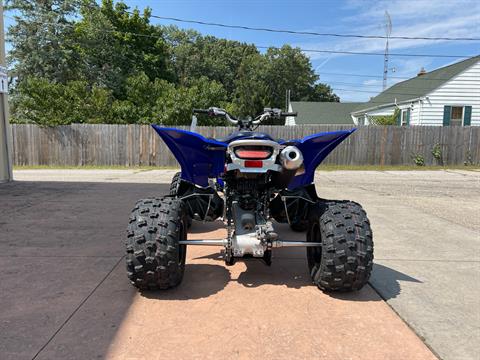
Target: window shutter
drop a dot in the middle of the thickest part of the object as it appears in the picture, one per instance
(447, 112)
(467, 116)
(407, 120)
(399, 117)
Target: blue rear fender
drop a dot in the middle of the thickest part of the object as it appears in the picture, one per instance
(315, 148)
(200, 158)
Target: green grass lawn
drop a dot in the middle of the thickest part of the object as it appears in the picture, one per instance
(320, 168)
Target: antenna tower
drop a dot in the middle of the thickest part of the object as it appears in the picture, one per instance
(388, 32)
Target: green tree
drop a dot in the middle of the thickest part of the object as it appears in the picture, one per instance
(175, 108)
(288, 69)
(251, 90)
(263, 80)
(48, 103)
(321, 92)
(41, 39)
(115, 44)
(80, 61)
(196, 56)
(142, 95)
(162, 102)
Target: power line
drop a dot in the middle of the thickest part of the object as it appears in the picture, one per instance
(252, 28)
(353, 86)
(276, 47)
(379, 77)
(360, 75)
(376, 92)
(376, 54)
(366, 91)
(266, 47)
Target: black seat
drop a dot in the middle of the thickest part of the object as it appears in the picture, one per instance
(238, 135)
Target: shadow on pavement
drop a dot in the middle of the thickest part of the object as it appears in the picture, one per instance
(64, 292)
(284, 272)
(289, 269)
(386, 281)
(199, 281)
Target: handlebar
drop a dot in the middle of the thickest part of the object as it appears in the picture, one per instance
(275, 113)
(200, 111)
(267, 113)
(213, 111)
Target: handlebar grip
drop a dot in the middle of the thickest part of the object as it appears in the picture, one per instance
(201, 111)
(289, 113)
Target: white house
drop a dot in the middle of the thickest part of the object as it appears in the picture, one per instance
(448, 96)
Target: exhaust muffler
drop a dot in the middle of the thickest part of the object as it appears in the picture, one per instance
(291, 158)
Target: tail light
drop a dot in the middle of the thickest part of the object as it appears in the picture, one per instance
(253, 152)
(253, 163)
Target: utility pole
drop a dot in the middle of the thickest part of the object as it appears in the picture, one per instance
(388, 32)
(287, 99)
(5, 132)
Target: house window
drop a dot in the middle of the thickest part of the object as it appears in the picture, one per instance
(456, 116)
(404, 117)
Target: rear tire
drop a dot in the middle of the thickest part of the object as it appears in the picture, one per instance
(155, 259)
(177, 178)
(344, 261)
(175, 183)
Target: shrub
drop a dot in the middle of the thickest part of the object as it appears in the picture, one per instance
(418, 159)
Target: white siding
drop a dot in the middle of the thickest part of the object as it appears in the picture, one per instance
(290, 120)
(462, 90)
(382, 112)
(415, 112)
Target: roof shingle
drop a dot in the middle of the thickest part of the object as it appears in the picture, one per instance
(418, 86)
(323, 112)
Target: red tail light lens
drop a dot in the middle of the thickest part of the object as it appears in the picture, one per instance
(253, 152)
(253, 163)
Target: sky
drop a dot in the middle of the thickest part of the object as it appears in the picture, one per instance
(417, 18)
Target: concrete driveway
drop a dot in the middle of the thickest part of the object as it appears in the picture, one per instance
(64, 293)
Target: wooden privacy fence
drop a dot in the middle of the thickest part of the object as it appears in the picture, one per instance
(137, 145)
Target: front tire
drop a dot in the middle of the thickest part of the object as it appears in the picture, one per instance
(155, 259)
(345, 259)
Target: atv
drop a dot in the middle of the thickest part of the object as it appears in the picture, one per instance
(248, 179)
